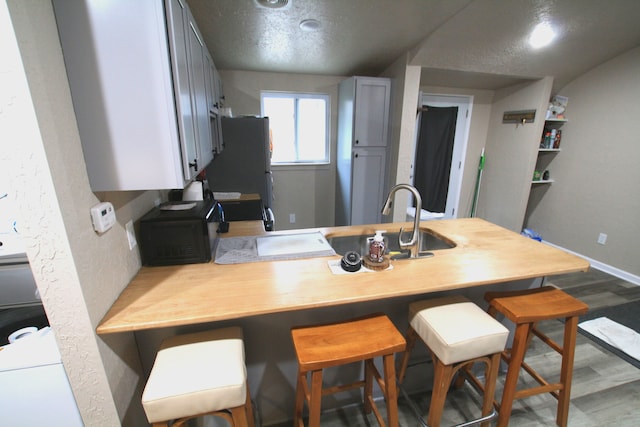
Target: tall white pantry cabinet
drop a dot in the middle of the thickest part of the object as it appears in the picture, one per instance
(363, 136)
(141, 83)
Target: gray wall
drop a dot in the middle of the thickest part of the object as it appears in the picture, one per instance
(597, 173)
(306, 191)
(510, 153)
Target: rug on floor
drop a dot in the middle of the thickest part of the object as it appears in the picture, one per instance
(624, 314)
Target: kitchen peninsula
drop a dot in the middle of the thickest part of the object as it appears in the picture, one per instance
(484, 254)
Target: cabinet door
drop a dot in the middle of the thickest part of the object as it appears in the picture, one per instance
(177, 15)
(371, 121)
(199, 74)
(219, 88)
(215, 125)
(367, 185)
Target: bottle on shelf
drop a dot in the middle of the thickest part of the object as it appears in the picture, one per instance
(556, 142)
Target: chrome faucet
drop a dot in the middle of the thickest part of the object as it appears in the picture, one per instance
(414, 244)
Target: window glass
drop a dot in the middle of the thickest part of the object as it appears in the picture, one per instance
(298, 125)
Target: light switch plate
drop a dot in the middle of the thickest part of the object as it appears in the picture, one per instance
(602, 238)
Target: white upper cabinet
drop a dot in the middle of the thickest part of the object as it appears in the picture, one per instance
(137, 74)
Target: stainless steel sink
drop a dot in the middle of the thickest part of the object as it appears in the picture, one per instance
(359, 243)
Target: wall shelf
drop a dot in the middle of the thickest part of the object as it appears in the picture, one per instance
(542, 181)
(549, 150)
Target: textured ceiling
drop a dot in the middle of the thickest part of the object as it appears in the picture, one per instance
(465, 43)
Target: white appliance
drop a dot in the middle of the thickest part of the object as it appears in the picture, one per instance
(17, 286)
(34, 387)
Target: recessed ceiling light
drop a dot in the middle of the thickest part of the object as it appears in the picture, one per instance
(542, 35)
(272, 4)
(310, 25)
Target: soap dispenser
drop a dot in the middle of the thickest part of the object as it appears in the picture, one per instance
(376, 247)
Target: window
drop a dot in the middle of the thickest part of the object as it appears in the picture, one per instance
(298, 124)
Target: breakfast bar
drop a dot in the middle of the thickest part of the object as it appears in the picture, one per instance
(484, 253)
(266, 299)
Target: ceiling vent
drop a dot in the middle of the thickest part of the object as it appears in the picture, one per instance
(272, 4)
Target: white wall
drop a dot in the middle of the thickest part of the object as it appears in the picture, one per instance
(597, 173)
(306, 191)
(79, 274)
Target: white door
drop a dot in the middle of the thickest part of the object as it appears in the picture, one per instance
(464, 104)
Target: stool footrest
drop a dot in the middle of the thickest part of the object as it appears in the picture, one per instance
(547, 388)
(342, 387)
(525, 309)
(551, 343)
(371, 404)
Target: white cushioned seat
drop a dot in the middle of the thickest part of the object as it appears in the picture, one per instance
(456, 329)
(195, 374)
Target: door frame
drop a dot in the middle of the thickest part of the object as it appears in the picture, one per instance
(463, 123)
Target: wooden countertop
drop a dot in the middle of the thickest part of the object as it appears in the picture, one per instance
(197, 293)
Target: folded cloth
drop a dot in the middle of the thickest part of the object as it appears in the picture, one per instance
(616, 335)
(424, 214)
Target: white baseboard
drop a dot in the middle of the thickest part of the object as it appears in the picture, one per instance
(624, 275)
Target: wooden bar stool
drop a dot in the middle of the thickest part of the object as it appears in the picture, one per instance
(325, 346)
(525, 309)
(199, 374)
(458, 334)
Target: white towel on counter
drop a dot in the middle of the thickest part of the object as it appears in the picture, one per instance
(226, 196)
(238, 250)
(424, 214)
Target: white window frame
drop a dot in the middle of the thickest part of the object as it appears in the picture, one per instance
(296, 96)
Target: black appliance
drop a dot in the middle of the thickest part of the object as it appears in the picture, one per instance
(179, 233)
(244, 165)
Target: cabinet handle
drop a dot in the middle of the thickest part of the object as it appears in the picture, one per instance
(356, 156)
(357, 142)
(194, 165)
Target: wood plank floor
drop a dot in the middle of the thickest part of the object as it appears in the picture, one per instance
(606, 389)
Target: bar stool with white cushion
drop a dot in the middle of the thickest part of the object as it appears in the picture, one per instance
(458, 334)
(199, 374)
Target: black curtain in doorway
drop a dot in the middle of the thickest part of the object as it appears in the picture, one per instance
(433, 156)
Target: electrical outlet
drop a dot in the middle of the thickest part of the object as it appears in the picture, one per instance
(602, 238)
(131, 235)
(292, 218)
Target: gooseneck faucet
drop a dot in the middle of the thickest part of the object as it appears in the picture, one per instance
(414, 244)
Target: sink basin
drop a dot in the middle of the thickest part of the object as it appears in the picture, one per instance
(358, 242)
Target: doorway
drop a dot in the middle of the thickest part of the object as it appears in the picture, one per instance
(453, 185)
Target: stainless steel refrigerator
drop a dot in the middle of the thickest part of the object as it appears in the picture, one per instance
(244, 165)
